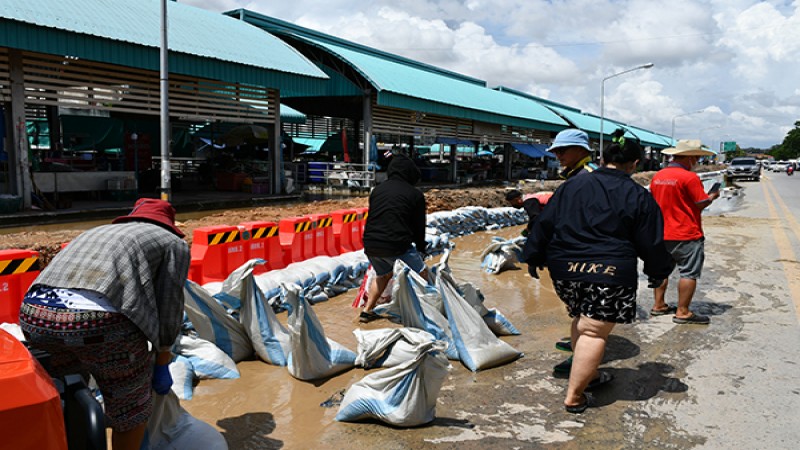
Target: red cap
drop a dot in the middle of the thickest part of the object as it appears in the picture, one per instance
(153, 210)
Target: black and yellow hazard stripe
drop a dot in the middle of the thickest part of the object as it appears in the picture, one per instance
(364, 215)
(300, 227)
(17, 266)
(324, 222)
(350, 217)
(223, 238)
(264, 232)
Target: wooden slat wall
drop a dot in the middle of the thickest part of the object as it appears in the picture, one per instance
(75, 83)
(5, 76)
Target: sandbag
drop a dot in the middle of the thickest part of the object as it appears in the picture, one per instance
(312, 356)
(388, 347)
(404, 395)
(501, 254)
(213, 322)
(493, 318)
(206, 359)
(418, 305)
(172, 428)
(478, 348)
(182, 373)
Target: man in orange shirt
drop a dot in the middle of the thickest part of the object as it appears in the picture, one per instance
(680, 194)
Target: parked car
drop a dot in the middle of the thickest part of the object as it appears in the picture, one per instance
(780, 166)
(744, 167)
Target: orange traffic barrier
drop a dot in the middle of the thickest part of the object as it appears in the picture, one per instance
(344, 227)
(361, 219)
(216, 252)
(18, 269)
(29, 397)
(324, 239)
(297, 238)
(264, 243)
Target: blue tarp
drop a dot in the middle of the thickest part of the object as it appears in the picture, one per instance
(533, 150)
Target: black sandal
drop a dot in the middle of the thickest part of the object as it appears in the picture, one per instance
(588, 401)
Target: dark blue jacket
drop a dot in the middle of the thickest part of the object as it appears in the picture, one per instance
(595, 227)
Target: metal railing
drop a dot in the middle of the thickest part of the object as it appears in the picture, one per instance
(348, 175)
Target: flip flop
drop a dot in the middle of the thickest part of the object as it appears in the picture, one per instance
(564, 346)
(671, 309)
(564, 367)
(588, 401)
(602, 378)
(693, 319)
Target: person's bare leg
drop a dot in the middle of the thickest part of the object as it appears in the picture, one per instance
(375, 290)
(686, 288)
(128, 440)
(588, 353)
(659, 296)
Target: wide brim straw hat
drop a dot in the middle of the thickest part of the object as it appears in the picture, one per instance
(688, 147)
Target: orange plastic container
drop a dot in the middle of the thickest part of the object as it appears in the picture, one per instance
(344, 227)
(30, 407)
(216, 252)
(264, 243)
(18, 269)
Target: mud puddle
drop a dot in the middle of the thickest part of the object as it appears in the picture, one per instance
(267, 408)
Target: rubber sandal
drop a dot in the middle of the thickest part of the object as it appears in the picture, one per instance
(588, 402)
(602, 378)
(671, 309)
(366, 317)
(564, 346)
(693, 319)
(564, 366)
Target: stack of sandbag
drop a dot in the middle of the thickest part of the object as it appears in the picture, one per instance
(469, 219)
(198, 359)
(502, 254)
(388, 347)
(213, 322)
(312, 356)
(172, 428)
(403, 395)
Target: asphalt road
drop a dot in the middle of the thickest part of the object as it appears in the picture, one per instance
(729, 385)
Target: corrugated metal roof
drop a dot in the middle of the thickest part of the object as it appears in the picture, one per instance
(192, 31)
(407, 84)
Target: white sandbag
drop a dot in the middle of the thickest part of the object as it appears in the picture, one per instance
(312, 356)
(493, 318)
(213, 323)
(182, 373)
(478, 347)
(172, 428)
(403, 396)
(413, 302)
(207, 360)
(501, 255)
(388, 347)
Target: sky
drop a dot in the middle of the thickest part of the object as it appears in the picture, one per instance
(724, 70)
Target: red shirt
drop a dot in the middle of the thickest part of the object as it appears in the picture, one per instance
(677, 191)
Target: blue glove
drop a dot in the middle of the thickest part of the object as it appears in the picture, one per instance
(162, 380)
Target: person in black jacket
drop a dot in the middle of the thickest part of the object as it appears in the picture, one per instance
(395, 228)
(589, 236)
(528, 202)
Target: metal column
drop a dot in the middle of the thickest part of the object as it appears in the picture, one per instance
(276, 151)
(19, 166)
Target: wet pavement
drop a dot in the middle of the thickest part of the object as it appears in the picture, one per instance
(728, 385)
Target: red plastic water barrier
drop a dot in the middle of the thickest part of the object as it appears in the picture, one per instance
(18, 269)
(344, 227)
(297, 239)
(543, 197)
(264, 243)
(361, 219)
(324, 239)
(30, 407)
(216, 252)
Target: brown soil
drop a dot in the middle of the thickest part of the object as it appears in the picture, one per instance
(48, 243)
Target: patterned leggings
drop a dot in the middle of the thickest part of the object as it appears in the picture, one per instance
(106, 345)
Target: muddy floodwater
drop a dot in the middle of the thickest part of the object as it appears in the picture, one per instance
(268, 408)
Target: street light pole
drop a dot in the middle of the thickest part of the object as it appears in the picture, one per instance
(603, 98)
(672, 136)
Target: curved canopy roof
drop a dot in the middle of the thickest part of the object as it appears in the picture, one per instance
(407, 84)
(201, 43)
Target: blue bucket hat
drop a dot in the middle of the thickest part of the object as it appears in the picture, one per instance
(569, 138)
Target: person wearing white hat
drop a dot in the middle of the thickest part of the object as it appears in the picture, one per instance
(682, 198)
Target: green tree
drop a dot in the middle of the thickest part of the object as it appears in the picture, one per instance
(790, 147)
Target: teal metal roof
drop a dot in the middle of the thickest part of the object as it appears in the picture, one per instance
(407, 84)
(202, 43)
(291, 115)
